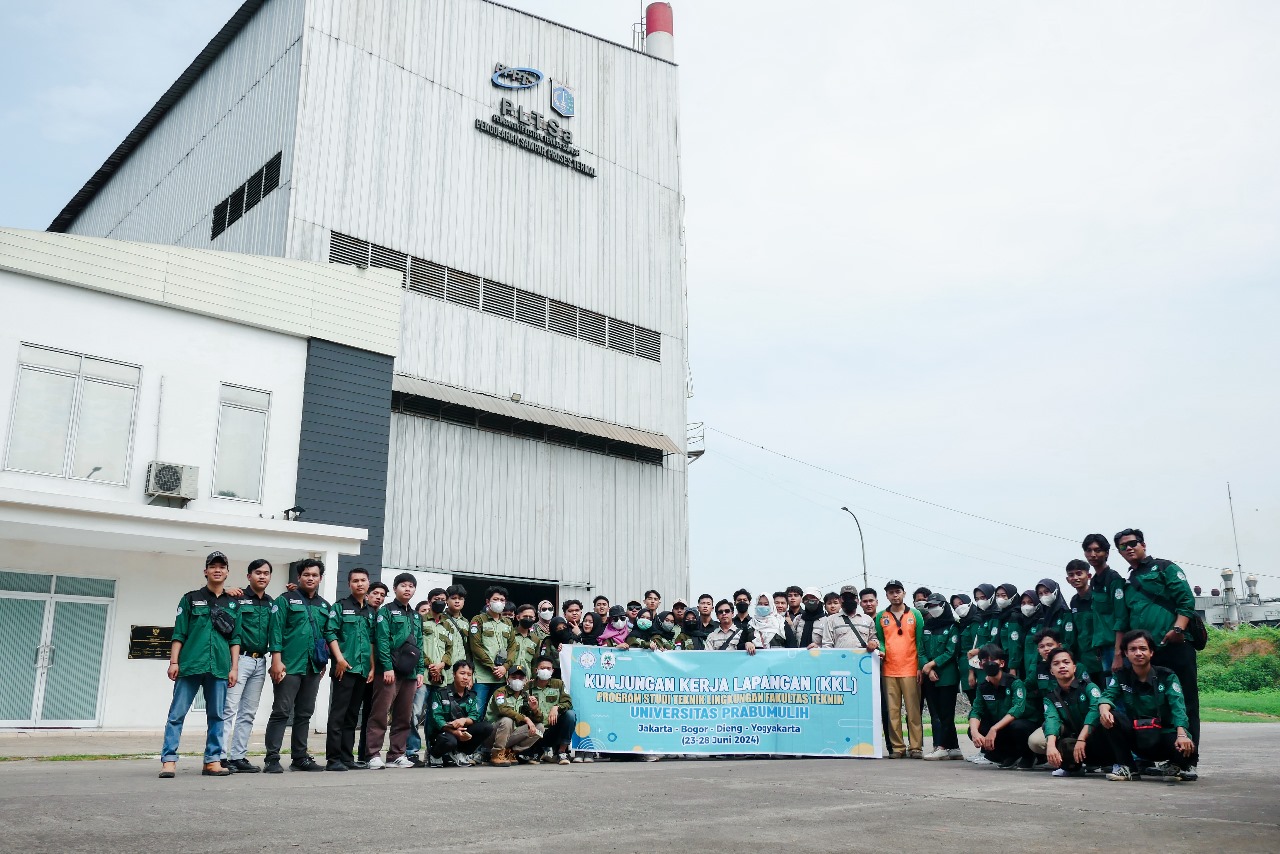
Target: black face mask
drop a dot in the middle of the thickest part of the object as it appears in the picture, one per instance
(811, 607)
(848, 605)
(528, 622)
(742, 607)
(438, 607)
(992, 668)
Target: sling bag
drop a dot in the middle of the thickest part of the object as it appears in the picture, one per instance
(319, 649)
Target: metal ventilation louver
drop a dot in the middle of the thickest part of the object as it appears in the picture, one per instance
(348, 250)
(427, 278)
(499, 299)
(172, 480)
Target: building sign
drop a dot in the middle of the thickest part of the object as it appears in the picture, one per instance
(150, 641)
(535, 132)
(515, 78)
(562, 99)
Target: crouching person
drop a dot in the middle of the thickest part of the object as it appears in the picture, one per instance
(1070, 739)
(516, 718)
(999, 724)
(1143, 712)
(557, 710)
(458, 721)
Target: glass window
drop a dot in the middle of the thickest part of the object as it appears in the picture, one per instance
(67, 424)
(242, 443)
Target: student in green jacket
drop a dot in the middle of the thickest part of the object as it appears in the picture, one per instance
(351, 620)
(399, 669)
(998, 722)
(1107, 588)
(940, 680)
(488, 637)
(969, 625)
(1010, 633)
(1142, 712)
(1071, 740)
(553, 699)
(1093, 634)
(202, 657)
(523, 644)
(458, 720)
(1052, 613)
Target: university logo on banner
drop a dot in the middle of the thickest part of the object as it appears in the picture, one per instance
(562, 99)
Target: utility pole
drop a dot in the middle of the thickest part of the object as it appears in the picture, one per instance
(865, 583)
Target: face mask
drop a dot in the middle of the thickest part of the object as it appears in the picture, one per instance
(982, 604)
(763, 610)
(1048, 599)
(848, 605)
(742, 607)
(644, 624)
(1002, 602)
(546, 615)
(991, 668)
(919, 604)
(527, 622)
(962, 611)
(811, 607)
(935, 611)
(619, 624)
(437, 607)
(544, 674)
(668, 627)
(496, 607)
(516, 684)
(1028, 610)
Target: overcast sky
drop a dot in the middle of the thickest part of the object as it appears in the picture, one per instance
(1019, 260)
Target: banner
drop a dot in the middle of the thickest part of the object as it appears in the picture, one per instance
(798, 702)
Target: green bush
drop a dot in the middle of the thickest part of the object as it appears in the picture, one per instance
(1241, 661)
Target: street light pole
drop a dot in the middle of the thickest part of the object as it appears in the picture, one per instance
(863, 542)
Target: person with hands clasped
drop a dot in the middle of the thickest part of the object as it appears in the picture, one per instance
(398, 674)
(489, 636)
(351, 621)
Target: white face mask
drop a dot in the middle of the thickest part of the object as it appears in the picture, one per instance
(668, 627)
(982, 604)
(962, 611)
(1048, 599)
(935, 611)
(544, 674)
(546, 615)
(1002, 602)
(1028, 610)
(620, 624)
(516, 684)
(496, 606)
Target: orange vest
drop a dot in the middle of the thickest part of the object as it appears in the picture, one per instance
(900, 653)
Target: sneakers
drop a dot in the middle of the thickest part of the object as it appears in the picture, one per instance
(335, 765)
(241, 766)
(577, 757)
(434, 761)
(915, 754)
(979, 759)
(937, 754)
(449, 760)
(272, 768)
(376, 763)
(399, 762)
(588, 757)
(563, 759)
(1059, 772)
(955, 753)
(1007, 765)
(1188, 775)
(548, 755)
(1026, 764)
(306, 764)
(1122, 774)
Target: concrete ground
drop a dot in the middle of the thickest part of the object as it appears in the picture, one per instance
(831, 805)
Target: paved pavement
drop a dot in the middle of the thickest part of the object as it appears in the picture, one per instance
(827, 805)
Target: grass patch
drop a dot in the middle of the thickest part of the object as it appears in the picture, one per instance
(90, 757)
(1252, 706)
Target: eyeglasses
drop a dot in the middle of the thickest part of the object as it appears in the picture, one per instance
(724, 611)
(1133, 544)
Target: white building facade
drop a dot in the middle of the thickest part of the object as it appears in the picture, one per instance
(119, 355)
(523, 179)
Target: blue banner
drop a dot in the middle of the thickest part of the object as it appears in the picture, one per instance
(797, 702)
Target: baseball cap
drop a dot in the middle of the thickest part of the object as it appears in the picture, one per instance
(849, 588)
(812, 591)
(679, 602)
(216, 557)
(892, 584)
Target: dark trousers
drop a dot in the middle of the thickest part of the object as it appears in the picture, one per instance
(1181, 659)
(295, 697)
(561, 732)
(447, 742)
(941, 700)
(1097, 750)
(1124, 744)
(345, 696)
(366, 706)
(884, 714)
(1011, 741)
(396, 699)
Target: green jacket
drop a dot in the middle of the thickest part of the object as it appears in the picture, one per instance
(973, 635)
(1010, 636)
(988, 629)
(396, 625)
(1158, 697)
(437, 648)
(943, 649)
(521, 649)
(296, 623)
(1109, 602)
(1060, 620)
(446, 706)
(992, 702)
(1092, 634)
(255, 622)
(490, 636)
(505, 703)
(553, 694)
(456, 627)
(1067, 710)
(1158, 577)
(204, 648)
(352, 626)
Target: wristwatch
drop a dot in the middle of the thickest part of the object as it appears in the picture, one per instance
(1180, 630)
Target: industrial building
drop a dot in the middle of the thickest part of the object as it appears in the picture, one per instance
(1226, 609)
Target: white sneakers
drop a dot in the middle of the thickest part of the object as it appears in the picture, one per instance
(979, 759)
(376, 763)
(936, 754)
(400, 762)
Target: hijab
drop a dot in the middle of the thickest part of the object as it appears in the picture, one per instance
(1028, 622)
(1012, 613)
(591, 636)
(1051, 613)
(558, 632)
(970, 618)
(942, 622)
(643, 636)
(767, 628)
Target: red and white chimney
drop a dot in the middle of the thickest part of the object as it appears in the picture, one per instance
(658, 39)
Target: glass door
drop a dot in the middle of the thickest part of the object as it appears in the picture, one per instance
(73, 668)
(21, 635)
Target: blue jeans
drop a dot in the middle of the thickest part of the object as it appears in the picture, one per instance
(419, 718)
(1108, 656)
(242, 703)
(483, 690)
(562, 732)
(215, 701)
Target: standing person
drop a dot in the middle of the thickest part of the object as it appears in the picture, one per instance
(515, 716)
(1009, 632)
(770, 626)
(559, 635)
(203, 657)
(253, 606)
(301, 642)
(900, 631)
(666, 634)
(870, 602)
(919, 596)
(742, 605)
(678, 609)
(398, 674)
(542, 628)
(706, 619)
(615, 634)
(997, 722)
(1143, 713)
(590, 629)
(795, 604)
(653, 600)
(458, 720)
(645, 634)
(438, 654)
(600, 605)
(1108, 589)
(456, 624)
(522, 646)
(1070, 721)
(1054, 613)
(557, 709)
(1029, 611)
(940, 680)
(376, 596)
(351, 621)
(1160, 601)
(805, 625)
(728, 634)
(573, 617)
(969, 630)
(1093, 634)
(691, 631)
(489, 635)
(849, 628)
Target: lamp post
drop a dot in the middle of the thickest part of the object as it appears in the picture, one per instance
(863, 542)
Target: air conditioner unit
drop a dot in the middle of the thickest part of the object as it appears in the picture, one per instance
(172, 480)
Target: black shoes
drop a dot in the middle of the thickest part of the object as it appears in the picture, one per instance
(335, 765)
(241, 766)
(273, 768)
(357, 765)
(306, 764)
(416, 760)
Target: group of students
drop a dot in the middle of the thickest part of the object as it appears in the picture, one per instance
(1043, 678)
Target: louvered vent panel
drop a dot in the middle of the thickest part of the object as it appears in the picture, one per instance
(593, 443)
(531, 308)
(389, 259)
(253, 190)
(530, 430)
(348, 250)
(245, 197)
(235, 205)
(427, 278)
(463, 288)
(499, 299)
(622, 336)
(458, 414)
(562, 318)
(496, 423)
(591, 327)
(648, 344)
(219, 220)
(271, 174)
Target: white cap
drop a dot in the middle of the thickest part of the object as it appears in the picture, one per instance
(812, 591)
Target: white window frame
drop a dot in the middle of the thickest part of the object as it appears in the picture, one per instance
(217, 444)
(73, 428)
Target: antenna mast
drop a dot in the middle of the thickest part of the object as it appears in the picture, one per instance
(1231, 506)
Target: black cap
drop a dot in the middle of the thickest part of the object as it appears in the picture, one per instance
(617, 611)
(935, 600)
(517, 668)
(892, 584)
(216, 557)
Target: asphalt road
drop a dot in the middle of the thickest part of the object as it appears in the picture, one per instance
(792, 806)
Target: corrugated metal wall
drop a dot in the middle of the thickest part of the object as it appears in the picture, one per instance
(239, 114)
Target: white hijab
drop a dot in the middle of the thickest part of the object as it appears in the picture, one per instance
(767, 627)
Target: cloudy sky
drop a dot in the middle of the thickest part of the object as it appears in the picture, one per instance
(1007, 272)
